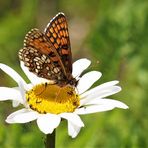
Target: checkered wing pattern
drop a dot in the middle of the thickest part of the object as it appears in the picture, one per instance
(48, 54)
(39, 56)
(57, 32)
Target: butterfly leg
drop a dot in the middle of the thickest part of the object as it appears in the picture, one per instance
(57, 94)
(45, 86)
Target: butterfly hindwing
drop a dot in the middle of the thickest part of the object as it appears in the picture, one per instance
(39, 57)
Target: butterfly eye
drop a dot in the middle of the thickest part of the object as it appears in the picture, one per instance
(73, 82)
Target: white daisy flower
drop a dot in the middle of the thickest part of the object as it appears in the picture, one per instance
(48, 103)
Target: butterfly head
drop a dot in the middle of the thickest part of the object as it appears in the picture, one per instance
(73, 82)
(68, 81)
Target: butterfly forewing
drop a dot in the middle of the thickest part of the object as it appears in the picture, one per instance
(57, 33)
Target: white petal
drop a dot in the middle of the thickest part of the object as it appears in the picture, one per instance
(23, 89)
(99, 88)
(101, 105)
(48, 122)
(79, 66)
(73, 130)
(29, 86)
(22, 116)
(31, 76)
(74, 123)
(73, 118)
(88, 80)
(100, 93)
(93, 109)
(110, 102)
(13, 74)
(15, 103)
(7, 93)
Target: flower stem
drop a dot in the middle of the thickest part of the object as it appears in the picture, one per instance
(50, 140)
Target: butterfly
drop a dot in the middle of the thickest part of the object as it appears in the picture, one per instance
(48, 54)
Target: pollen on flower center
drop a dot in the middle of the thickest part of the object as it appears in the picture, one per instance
(46, 98)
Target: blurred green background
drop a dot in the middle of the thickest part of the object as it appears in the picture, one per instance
(114, 36)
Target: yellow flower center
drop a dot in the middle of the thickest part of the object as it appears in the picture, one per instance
(46, 98)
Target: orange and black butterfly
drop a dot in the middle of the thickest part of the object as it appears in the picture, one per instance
(48, 54)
